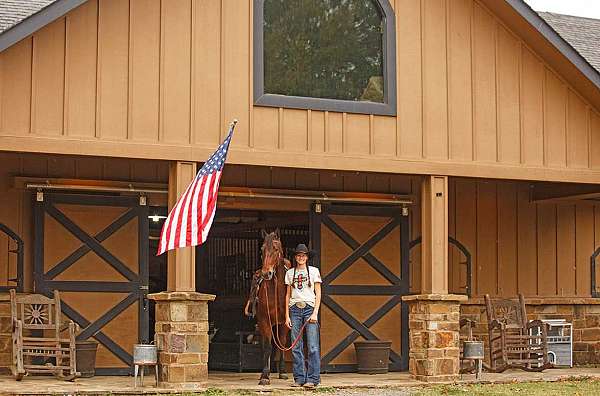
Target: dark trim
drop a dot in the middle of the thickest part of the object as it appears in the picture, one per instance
(388, 107)
(91, 242)
(464, 251)
(92, 200)
(112, 371)
(83, 250)
(109, 315)
(595, 293)
(37, 21)
(349, 339)
(143, 271)
(19, 251)
(360, 250)
(556, 40)
(92, 286)
(354, 323)
(365, 290)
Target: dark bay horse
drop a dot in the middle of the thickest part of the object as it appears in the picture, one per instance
(270, 312)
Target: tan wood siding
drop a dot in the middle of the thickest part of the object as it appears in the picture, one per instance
(538, 249)
(149, 79)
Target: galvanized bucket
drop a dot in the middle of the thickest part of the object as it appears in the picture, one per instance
(473, 350)
(144, 354)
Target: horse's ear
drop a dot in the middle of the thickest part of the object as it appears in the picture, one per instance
(277, 233)
(263, 233)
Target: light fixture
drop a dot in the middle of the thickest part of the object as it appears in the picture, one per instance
(156, 218)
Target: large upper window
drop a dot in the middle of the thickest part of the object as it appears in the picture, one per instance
(325, 54)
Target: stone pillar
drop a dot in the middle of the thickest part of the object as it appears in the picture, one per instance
(182, 338)
(433, 323)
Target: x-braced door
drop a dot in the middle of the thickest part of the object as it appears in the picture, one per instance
(363, 259)
(94, 250)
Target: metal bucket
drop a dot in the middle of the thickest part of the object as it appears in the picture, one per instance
(144, 354)
(473, 350)
(372, 356)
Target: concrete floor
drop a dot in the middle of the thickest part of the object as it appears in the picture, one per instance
(249, 381)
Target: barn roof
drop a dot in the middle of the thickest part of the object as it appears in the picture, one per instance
(582, 33)
(20, 18)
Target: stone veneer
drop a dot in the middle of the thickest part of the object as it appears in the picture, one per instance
(5, 335)
(182, 338)
(433, 323)
(583, 313)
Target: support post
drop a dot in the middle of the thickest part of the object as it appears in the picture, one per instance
(181, 263)
(434, 231)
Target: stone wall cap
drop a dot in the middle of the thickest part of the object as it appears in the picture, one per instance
(543, 300)
(181, 296)
(435, 297)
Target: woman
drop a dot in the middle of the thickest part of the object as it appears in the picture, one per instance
(303, 298)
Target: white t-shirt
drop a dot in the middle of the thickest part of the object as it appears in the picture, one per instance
(302, 292)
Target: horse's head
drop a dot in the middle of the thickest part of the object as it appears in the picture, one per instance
(272, 252)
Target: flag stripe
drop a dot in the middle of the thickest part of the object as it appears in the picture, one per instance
(190, 219)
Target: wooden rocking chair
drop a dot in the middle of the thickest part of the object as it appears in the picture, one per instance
(36, 342)
(514, 341)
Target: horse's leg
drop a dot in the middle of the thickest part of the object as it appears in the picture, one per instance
(283, 330)
(266, 346)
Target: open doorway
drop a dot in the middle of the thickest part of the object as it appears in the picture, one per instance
(225, 264)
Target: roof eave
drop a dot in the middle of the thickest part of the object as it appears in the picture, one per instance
(556, 40)
(37, 21)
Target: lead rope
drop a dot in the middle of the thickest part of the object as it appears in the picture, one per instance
(275, 337)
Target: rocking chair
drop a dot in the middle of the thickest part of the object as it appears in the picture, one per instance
(514, 341)
(36, 342)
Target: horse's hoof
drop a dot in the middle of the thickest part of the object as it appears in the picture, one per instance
(283, 376)
(264, 381)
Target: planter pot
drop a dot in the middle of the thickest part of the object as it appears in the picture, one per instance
(372, 356)
(85, 354)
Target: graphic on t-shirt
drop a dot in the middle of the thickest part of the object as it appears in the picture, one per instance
(299, 281)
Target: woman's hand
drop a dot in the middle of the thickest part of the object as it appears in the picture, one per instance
(313, 318)
(288, 322)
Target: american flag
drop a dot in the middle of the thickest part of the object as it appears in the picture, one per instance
(190, 219)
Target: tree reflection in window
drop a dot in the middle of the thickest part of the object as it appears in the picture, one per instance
(324, 49)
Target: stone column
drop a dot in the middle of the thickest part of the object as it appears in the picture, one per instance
(182, 338)
(433, 323)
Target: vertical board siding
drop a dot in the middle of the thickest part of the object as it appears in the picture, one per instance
(48, 79)
(113, 69)
(207, 72)
(538, 249)
(484, 85)
(507, 76)
(176, 72)
(435, 108)
(460, 111)
(80, 58)
(532, 108)
(15, 84)
(144, 44)
(555, 104)
(409, 66)
(577, 132)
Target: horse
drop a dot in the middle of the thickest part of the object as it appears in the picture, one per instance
(270, 311)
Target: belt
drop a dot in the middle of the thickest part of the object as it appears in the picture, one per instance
(301, 304)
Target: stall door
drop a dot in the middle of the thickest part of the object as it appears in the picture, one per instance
(94, 250)
(363, 258)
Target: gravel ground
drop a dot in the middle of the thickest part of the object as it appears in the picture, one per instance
(371, 391)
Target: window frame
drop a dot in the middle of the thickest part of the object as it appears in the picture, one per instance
(388, 107)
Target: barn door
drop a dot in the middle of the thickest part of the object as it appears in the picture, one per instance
(94, 250)
(363, 258)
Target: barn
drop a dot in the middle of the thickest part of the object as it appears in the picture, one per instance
(430, 151)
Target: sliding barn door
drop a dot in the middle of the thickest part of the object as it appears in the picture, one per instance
(94, 250)
(363, 258)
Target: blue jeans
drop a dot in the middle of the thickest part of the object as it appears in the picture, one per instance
(301, 375)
